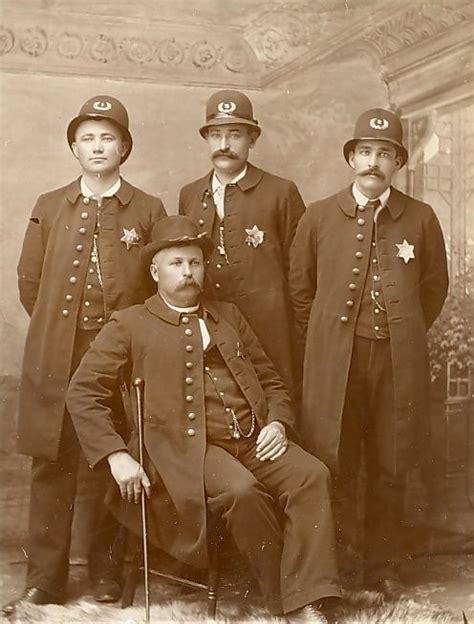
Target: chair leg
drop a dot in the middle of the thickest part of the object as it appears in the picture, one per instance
(213, 578)
(131, 579)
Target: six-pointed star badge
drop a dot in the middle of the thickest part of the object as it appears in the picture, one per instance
(405, 251)
(130, 237)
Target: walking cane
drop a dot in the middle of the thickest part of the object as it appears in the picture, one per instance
(139, 385)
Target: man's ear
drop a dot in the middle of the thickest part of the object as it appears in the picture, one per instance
(154, 272)
(350, 160)
(253, 138)
(398, 161)
(74, 149)
(125, 146)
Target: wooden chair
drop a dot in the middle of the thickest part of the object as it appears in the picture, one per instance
(215, 537)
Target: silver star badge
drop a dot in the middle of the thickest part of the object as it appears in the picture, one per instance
(130, 237)
(405, 251)
(254, 236)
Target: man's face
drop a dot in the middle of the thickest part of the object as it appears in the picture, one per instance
(374, 164)
(179, 273)
(98, 146)
(229, 147)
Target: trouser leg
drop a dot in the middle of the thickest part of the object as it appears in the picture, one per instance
(53, 488)
(249, 514)
(300, 485)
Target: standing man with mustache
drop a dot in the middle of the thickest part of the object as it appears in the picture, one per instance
(79, 263)
(252, 217)
(368, 277)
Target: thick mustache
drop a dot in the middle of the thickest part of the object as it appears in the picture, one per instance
(225, 153)
(187, 283)
(374, 172)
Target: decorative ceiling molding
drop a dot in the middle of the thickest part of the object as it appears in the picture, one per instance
(269, 43)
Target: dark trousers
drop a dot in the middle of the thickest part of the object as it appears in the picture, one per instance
(368, 410)
(279, 515)
(53, 490)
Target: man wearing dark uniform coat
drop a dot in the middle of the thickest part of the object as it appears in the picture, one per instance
(79, 263)
(216, 423)
(368, 277)
(252, 217)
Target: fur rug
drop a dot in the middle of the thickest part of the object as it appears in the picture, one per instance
(357, 608)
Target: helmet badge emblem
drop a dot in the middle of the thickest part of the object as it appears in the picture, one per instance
(226, 107)
(102, 106)
(378, 124)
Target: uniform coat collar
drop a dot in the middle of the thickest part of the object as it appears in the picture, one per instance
(158, 307)
(396, 203)
(124, 194)
(250, 179)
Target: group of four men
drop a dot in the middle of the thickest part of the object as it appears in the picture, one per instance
(273, 329)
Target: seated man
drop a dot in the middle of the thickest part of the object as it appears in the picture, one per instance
(216, 422)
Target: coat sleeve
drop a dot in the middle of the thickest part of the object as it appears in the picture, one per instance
(303, 275)
(293, 210)
(434, 272)
(91, 391)
(30, 264)
(279, 406)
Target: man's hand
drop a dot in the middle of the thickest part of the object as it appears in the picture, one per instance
(272, 441)
(129, 475)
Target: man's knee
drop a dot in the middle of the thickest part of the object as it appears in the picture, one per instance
(246, 493)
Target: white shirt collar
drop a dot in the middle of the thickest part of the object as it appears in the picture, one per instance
(216, 183)
(189, 310)
(110, 192)
(362, 200)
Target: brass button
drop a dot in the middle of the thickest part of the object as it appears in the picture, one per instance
(189, 398)
(76, 263)
(360, 237)
(68, 297)
(84, 215)
(349, 303)
(189, 364)
(191, 415)
(201, 221)
(82, 230)
(89, 286)
(227, 410)
(65, 312)
(361, 208)
(188, 332)
(218, 285)
(361, 221)
(377, 311)
(189, 380)
(356, 271)
(204, 204)
(85, 319)
(377, 293)
(373, 243)
(100, 320)
(185, 320)
(87, 303)
(376, 328)
(218, 265)
(189, 348)
(352, 286)
(191, 432)
(214, 379)
(344, 319)
(86, 200)
(73, 280)
(376, 278)
(91, 270)
(374, 260)
(79, 247)
(359, 254)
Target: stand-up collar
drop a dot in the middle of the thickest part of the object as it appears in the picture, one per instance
(158, 307)
(396, 203)
(124, 193)
(250, 179)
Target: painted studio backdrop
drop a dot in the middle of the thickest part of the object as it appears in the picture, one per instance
(310, 67)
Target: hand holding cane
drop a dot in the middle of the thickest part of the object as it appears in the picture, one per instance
(139, 385)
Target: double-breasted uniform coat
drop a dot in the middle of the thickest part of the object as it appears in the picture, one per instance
(51, 273)
(329, 265)
(255, 278)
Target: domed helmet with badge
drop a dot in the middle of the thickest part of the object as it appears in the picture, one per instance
(229, 107)
(103, 107)
(378, 124)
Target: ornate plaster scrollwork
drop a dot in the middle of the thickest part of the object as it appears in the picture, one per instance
(140, 51)
(34, 41)
(7, 40)
(170, 52)
(204, 55)
(103, 49)
(70, 45)
(236, 59)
